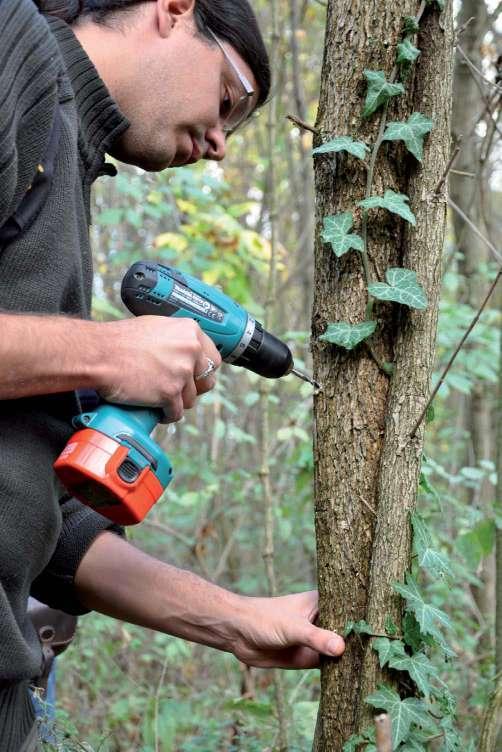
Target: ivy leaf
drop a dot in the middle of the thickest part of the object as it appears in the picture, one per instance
(410, 25)
(358, 627)
(348, 335)
(412, 132)
(477, 543)
(337, 232)
(451, 738)
(419, 668)
(343, 143)
(388, 649)
(352, 744)
(428, 558)
(402, 712)
(379, 91)
(407, 53)
(412, 634)
(397, 203)
(427, 616)
(402, 288)
(390, 627)
(416, 742)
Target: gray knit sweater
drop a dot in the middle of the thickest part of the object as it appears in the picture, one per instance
(46, 269)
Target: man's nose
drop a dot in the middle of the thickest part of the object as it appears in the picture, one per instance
(216, 144)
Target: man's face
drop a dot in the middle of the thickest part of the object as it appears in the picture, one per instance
(176, 95)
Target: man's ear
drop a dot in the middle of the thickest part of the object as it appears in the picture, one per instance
(169, 12)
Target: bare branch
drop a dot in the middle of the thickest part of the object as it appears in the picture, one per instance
(475, 229)
(457, 350)
(301, 124)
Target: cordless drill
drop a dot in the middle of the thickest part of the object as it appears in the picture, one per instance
(112, 464)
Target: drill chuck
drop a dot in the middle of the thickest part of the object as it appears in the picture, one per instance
(266, 355)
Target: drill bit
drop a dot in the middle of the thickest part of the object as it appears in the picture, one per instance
(305, 377)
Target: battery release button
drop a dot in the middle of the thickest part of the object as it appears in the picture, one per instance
(128, 471)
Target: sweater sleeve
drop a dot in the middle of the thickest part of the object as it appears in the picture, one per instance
(81, 526)
(29, 68)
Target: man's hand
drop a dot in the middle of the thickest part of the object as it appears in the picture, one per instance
(155, 360)
(117, 579)
(279, 633)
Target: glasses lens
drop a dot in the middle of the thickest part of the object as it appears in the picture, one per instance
(240, 112)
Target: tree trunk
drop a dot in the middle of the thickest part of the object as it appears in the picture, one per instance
(468, 105)
(366, 465)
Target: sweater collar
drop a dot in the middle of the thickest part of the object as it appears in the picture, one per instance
(101, 121)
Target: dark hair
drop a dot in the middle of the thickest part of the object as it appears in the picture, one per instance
(231, 20)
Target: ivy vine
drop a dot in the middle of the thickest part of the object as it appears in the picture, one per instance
(430, 713)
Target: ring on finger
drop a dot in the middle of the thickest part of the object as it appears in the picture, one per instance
(211, 366)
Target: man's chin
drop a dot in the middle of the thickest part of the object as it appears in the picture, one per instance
(147, 162)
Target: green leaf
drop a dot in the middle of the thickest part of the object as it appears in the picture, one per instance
(430, 414)
(390, 627)
(412, 132)
(418, 667)
(353, 743)
(427, 616)
(416, 742)
(411, 632)
(402, 288)
(451, 738)
(358, 627)
(336, 230)
(379, 91)
(407, 53)
(428, 487)
(397, 203)
(428, 558)
(388, 649)
(477, 543)
(348, 335)
(402, 712)
(410, 25)
(252, 707)
(343, 143)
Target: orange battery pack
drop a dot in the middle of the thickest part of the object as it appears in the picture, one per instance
(97, 471)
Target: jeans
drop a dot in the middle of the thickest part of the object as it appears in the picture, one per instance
(46, 709)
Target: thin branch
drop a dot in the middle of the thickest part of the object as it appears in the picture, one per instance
(457, 350)
(301, 124)
(476, 230)
(475, 69)
(493, 16)
(449, 166)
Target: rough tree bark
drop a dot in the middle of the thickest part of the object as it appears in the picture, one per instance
(366, 465)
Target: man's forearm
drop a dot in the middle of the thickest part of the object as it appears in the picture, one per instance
(46, 354)
(119, 580)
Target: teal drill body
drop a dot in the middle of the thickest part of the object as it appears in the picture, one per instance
(99, 476)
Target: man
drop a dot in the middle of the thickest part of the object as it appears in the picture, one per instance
(167, 82)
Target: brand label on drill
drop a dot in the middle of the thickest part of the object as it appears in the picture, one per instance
(186, 298)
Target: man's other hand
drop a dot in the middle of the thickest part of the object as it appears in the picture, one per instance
(280, 633)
